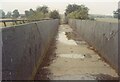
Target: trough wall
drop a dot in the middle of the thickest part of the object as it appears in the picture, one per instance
(103, 36)
(24, 47)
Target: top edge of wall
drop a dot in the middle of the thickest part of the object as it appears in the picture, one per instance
(29, 23)
(97, 21)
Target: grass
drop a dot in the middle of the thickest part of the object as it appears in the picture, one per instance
(112, 20)
(9, 24)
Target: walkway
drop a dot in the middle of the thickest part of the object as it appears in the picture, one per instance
(75, 60)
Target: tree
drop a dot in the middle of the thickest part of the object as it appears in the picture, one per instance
(2, 14)
(40, 13)
(8, 15)
(15, 14)
(27, 13)
(78, 15)
(38, 9)
(117, 13)
(43, 9)
(77, 11)
(71, 8)
(54, 14)
(31, 12)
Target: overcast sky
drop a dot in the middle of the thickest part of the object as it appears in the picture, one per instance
(104, 7)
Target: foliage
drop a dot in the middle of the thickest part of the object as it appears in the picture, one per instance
(36, 16)
(15, 14)
(91, 18)
(54, 14)
(43, 9)
(77, 11)
(39, 13)
(117, 13)
(78, 15)
(2, 14)
(71, 8)
(27, 14)
(31, 12)
(8, 15)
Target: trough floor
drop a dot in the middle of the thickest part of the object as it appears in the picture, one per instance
(71, 58)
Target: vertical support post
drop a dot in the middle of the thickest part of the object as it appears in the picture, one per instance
(5, 24)
(20, 22)
(16, 22)
(23, 21)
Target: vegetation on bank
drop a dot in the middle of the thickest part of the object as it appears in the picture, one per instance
(54, 14)
(117, 13)
(77, 11)
(41, 12)
(73, 11)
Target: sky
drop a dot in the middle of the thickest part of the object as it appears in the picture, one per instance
(103, 7)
